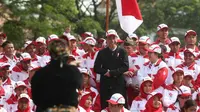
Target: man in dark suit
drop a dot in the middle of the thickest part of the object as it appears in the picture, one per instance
(111, 63)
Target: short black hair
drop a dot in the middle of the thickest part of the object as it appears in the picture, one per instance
(189, 103)
(6, 43)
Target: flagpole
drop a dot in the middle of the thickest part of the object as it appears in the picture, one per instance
(107, 14)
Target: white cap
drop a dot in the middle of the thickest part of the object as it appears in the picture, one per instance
(155, 48)
(152, 94)
(20, 84)
(147, 79)
(27, 43)
(24, 95)
(116, 99)
(190, 32)
(178, 70)
(52, 37)
(185, 91)
(133, 35)
(111, 32)
(188, 73)
(161, 26)
(175, 39)
(145, 40)
(41, 40)
(71, 37)
(190, 51)
(88, 34)
(85, 71)
(90, 41)
(2, 65)
(25, 56)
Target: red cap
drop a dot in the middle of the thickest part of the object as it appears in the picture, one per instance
(190, 32)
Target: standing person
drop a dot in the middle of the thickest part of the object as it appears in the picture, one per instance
(190, 42)
(88, 61)
(20, 71)
(163, 39)
(111, 63)
(7, 83)
(156, 68)
(56, 84)
(173, 58)
(9, 54)
(42, 51)
(190, 67)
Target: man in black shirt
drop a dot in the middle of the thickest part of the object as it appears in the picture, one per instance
(111, 63)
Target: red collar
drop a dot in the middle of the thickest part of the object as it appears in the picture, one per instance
(191, 67)
(90, 54)
(26, 81)
(176, 55)
(13, 99)
(195, 49)
(7, 82)
(145, 56)
(74, 52)
(5, 58)
(158, 62)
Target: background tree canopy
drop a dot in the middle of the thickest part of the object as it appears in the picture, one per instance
(34, 18)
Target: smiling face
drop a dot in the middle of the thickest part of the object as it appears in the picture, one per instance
(189, 58)
(175, 46)
(190, 39)
(163, 33)
(147, 87)
(156, 102)
(23, 103)
(88, 102)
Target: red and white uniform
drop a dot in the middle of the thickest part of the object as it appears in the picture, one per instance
(158, 71)
(78, 53)
(80, 109)
(193, 70)
(136, 61)
(12, 103)
(173, 60)
(174, 108)
(166, 43)
(107, 110)
(18, 74)
(170, 95)
(12, 62)
(138, 104)
(88, 62)
(36, 61)
(96, 99)
(2, 109)
(45, 59)
(8, 86)
(195, 51)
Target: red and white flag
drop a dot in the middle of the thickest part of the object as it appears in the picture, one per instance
(129, 15)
